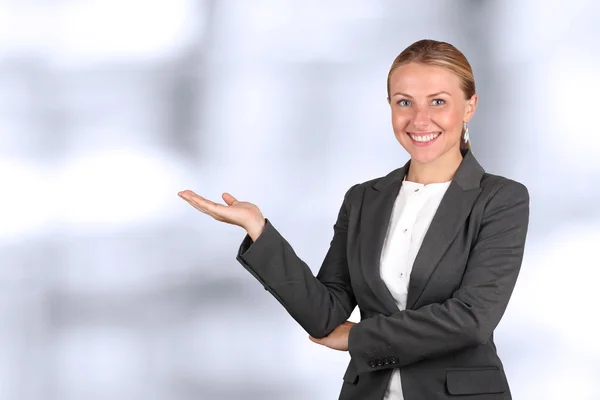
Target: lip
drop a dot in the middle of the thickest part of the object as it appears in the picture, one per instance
(422, 144)
(422, 133)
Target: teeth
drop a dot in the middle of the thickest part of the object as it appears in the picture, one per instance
(426, 138)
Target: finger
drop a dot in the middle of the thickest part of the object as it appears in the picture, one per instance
(209, 213)
(313, 339)
(197, 206)
(203, 210)
(229, 199)
(188, 195)
(201, 203)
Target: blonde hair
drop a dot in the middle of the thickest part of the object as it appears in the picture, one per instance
(440, 54)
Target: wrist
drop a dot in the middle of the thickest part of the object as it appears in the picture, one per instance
(255, 229)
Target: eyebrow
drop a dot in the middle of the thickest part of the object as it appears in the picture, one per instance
(431, 95)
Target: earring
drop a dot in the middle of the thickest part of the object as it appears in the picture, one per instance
(466, 134)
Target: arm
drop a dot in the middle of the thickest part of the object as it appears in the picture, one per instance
(475, 309)
(319, 304)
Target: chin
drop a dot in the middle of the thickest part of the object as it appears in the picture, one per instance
(423, 153)
(424, 157)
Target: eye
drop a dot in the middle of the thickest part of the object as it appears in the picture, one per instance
(438, 102)
(403, 102)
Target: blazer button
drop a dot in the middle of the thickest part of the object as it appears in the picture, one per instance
(394, 360)
(379, 363)
(386, 361)
(372, 364)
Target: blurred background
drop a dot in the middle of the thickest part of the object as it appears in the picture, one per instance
(114, 288)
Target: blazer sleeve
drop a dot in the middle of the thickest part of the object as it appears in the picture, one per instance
(470, 316)
(319, 304)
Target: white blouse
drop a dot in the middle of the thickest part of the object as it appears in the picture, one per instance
(412, 214)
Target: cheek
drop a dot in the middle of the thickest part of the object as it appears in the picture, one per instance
(400, 120)
(448, 120)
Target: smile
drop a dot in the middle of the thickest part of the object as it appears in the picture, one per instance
(424, 138)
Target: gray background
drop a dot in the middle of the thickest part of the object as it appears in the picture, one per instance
(113, 288)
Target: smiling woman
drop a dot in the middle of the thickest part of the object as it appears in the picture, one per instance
(430, 252)
(431, 91)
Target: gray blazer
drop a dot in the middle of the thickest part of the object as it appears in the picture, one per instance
(459, 288)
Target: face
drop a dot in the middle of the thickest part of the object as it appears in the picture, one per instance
(428, 111)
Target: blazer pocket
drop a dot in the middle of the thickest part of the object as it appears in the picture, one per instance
(483, 380)
(351, 376)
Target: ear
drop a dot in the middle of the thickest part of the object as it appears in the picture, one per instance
(470, 108)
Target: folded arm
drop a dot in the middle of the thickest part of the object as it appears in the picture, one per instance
(475, 309)
(319, 304)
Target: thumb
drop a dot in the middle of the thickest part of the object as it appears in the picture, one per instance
(229, 199)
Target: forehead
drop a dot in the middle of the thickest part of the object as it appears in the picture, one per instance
(418, 78)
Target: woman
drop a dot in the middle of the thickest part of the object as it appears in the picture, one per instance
(430, 253)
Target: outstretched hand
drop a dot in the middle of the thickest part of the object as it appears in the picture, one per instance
(338, 338)
(240, 213)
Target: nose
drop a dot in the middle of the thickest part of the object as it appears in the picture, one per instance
(421, 118)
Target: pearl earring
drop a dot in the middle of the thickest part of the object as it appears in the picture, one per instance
(466, 134)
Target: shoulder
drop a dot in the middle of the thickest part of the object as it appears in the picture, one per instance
(502, 208)
(361, 187)
(503, 204)
(500, 189)
(355, 194)
(494, 189)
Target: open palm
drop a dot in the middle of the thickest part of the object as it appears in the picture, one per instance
(240, 213)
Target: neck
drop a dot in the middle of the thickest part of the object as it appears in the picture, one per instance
(440, 170)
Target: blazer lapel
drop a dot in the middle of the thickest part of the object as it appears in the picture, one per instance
(378, 205)
(454, 208)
